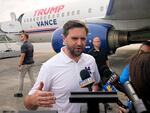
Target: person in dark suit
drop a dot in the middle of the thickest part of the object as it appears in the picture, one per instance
(101, 59)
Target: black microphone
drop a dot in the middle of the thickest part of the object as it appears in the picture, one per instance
(87, 80)
(127, 89)
(113, 77)
(137, 102)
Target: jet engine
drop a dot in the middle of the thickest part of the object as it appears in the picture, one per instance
(110, 39)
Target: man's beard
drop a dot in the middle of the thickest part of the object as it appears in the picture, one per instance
(75, 52)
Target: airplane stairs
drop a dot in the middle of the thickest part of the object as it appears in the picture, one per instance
(8, 53)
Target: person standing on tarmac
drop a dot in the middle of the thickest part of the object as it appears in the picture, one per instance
(25, 63)
(60, 75)
(101, 58)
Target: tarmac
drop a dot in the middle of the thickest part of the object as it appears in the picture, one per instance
(44, 51)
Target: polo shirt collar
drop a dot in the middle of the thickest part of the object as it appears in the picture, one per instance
(65, 58)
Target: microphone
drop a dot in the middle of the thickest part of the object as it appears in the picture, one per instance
(111, 80)
(127, 89)
(87, 80)
(113, 83)
(113, 77)
(137, 102)
(110, 77)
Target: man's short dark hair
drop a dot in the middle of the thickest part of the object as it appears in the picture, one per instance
(25, 34)
(73, 24)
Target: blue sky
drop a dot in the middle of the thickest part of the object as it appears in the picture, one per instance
(20, 6)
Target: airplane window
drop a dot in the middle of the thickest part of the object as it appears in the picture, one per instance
(34, 19)
(41, 18)
(62, 14)
(53, 15)
(89, 10)
(57, 15)
(49, 16)
(37, 19)
(30, 19)
(72, 12)
(78, 12)
(24, 20)
(68, 13)
(44, 17)
(27, 19)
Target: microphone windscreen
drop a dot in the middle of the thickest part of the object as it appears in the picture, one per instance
(87, 80)
(84, 74)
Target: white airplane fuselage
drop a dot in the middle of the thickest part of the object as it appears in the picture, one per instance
(41, 23)
(116, 19)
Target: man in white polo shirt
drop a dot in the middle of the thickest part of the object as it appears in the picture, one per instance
(60, 75)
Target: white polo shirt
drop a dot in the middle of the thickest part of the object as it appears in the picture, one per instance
(61, 75)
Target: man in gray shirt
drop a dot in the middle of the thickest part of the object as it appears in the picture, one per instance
(25, 63)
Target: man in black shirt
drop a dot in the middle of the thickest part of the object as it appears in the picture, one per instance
(100, 55)
(25, 63)
(101, 58)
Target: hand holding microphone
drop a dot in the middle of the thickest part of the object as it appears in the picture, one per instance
(113, 79)
(128, 89)
(89, 81)
(112, 83)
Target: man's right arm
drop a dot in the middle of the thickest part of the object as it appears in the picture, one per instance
(39, 98)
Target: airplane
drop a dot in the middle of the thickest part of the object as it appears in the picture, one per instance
(116, 22)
